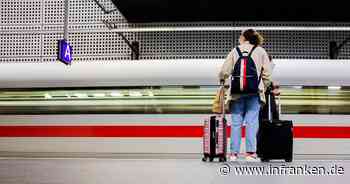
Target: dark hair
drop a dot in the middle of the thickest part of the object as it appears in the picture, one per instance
(253, 37)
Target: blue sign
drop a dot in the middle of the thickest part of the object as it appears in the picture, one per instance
(65, 52)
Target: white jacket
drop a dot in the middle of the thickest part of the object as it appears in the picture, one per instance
(261, 60)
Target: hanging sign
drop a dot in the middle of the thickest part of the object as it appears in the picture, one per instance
(65, 52)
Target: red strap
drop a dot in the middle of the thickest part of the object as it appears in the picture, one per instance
(245, 73)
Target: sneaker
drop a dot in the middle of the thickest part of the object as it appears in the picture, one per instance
(251, 157)
(233, 157)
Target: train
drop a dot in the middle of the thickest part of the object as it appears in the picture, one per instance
(148, 132)
(184, 72)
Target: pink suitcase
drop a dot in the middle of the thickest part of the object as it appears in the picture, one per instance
(214, 137)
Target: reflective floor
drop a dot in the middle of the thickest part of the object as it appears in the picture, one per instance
(168, 170)
(167, 99)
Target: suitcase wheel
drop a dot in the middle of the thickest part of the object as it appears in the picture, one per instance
(288, 159)
(222, 159)
(211, 159)
(265, 160)
(204, 159)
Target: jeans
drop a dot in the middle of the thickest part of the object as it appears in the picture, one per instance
(245, 110)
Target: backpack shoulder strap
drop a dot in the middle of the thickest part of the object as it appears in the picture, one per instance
(239, 52)
(251, 51)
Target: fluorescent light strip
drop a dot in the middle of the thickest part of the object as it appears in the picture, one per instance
(210, 28)
(297, 87)
(150, 93)
(81, 95)
(116, 94)
(48, 96)
(227, 28)
(135, 93)
(99, 95)
(334, 87)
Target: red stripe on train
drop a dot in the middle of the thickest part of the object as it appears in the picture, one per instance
(151, 131)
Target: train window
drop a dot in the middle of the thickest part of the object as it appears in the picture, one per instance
(170, 99)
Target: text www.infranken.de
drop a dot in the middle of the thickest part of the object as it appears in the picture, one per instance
(283, 169)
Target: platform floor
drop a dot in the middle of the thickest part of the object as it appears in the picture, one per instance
(167, 169)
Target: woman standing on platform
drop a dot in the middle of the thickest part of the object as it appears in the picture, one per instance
(248, 67)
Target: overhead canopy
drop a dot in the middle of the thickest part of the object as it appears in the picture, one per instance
(138, 11)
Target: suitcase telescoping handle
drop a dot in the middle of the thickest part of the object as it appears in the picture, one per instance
(222, 98)
(279, 106)
(269, 106)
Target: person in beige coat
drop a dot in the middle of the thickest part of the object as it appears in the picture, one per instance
(246, 107)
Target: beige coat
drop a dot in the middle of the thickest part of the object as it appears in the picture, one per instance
(261, 60)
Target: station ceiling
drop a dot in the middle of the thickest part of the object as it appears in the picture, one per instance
(139, 11)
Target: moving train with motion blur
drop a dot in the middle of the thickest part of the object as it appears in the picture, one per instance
(157, 106)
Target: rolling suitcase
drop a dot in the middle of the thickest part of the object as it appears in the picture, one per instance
(214, 136)
(275, 136)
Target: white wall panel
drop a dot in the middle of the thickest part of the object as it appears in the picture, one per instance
(19, 17)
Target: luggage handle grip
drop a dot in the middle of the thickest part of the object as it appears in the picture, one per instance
(269, 106)
(222, 98)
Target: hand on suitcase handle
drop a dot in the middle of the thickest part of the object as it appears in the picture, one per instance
(275, 88)
(222, 82)
(276, 92)
(275, 85)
